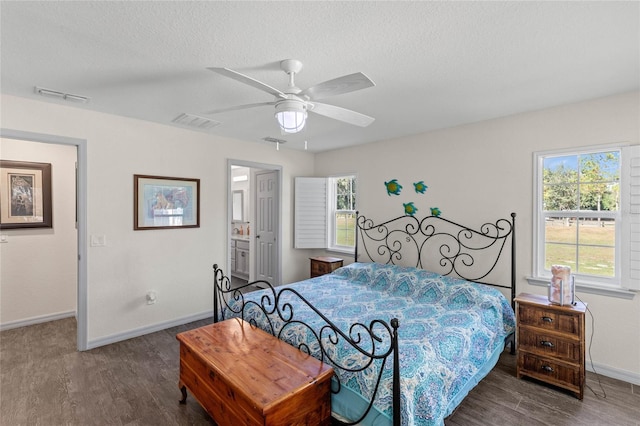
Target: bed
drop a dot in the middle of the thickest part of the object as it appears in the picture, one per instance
(410, 327)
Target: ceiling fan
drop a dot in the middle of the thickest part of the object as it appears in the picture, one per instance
(293, 104)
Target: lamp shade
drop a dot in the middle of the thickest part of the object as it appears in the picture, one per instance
(291, 116)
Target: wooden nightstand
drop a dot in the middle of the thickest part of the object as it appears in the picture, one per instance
(323, 265)
(551, 342)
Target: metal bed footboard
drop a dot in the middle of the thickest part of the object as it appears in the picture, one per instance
(376, 341)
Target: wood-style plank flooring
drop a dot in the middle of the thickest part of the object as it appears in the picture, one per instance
(45, 381)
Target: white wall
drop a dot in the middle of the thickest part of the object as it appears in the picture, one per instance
(484, 171)
(176, 263)
(38, 267)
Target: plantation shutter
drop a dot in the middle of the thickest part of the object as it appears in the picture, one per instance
(631, 217)
(310, 212)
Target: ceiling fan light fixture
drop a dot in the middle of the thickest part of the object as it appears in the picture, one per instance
(291, 115)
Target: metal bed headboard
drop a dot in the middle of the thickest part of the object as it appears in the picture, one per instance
(440, 245)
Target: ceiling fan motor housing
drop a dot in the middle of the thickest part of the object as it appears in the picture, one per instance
(291, 105)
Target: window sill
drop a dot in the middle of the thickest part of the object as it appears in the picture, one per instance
(588, 288)
(340, 251)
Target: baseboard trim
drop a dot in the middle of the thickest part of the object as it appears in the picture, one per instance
(36, 320)
(130, 334)
(614, 373)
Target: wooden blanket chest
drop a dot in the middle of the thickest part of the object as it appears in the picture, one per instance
(243, 375)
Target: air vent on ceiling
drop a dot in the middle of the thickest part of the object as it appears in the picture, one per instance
(195, 121)
(60, 95)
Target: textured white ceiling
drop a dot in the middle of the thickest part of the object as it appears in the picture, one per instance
(435, 64)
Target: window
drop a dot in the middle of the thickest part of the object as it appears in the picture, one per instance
(324, 213)
(586, 215)
(581, 200)
(342, 202)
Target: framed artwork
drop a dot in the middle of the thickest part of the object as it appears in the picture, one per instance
(25, 195)
(165, 202)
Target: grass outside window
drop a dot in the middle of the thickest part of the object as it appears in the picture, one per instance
(346, 229)
(587, 246)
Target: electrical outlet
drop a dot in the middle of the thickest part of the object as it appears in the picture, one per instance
(4, 238)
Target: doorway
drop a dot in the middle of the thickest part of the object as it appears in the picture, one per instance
(259, 223)
(81, 218)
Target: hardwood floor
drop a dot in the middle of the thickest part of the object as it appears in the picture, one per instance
(237, 282)
(45, 381)
(502, 399)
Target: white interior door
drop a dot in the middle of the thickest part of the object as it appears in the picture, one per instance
(266, 226)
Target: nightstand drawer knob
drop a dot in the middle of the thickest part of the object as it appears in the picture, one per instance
(547, 319)
(547, 369)
(546, 343)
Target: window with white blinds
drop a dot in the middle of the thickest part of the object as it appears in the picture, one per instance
(310, 212)
(631, 216)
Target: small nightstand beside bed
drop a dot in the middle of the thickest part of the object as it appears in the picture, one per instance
(406, 344)
(551, 342)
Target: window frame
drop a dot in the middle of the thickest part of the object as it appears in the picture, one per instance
(612, 286)
(332, 211)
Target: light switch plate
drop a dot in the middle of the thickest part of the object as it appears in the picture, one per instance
(98, 240)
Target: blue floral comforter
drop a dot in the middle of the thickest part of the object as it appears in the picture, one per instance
(449, 329)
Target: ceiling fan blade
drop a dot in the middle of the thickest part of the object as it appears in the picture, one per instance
(248, 80)
(238, 107)
(338, 86)
(342, 114)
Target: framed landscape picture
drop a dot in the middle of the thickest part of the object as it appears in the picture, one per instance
(25, 195)
(165, 202)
